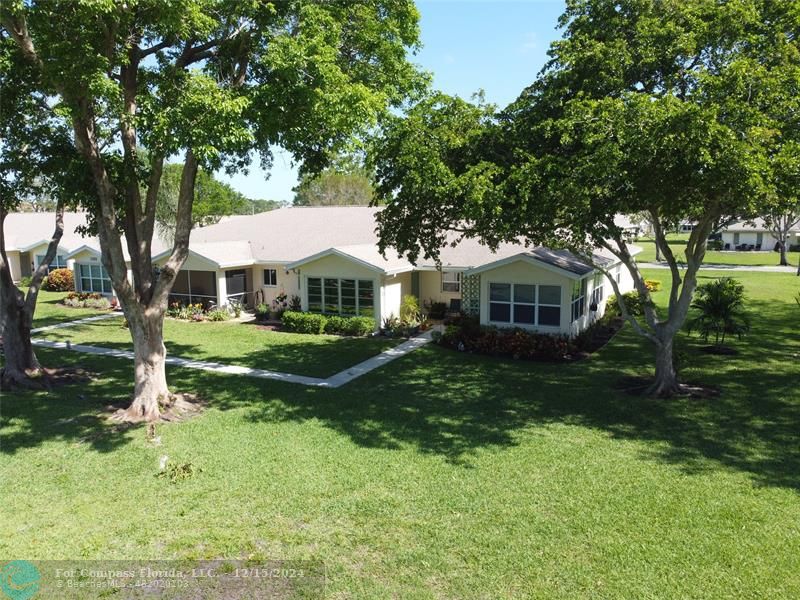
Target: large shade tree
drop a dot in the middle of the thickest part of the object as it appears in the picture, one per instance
(37, 162)
(210, 82)
(672, 108)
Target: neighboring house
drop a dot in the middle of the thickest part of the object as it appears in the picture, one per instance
(329, 258)
(755, 235)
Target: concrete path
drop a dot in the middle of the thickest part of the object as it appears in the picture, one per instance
(334, 381)
(720, 267)
(107, 315)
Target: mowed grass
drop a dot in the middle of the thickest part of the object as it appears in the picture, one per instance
(678, 244)
(236, 343)
(50, 310)
(442, 475)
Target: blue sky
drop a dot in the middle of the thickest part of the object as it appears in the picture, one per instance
(468, 45)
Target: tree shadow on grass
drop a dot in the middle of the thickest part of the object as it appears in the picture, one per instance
(450, 404)
(72, 413)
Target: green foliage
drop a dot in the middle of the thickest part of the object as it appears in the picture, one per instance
(262, 309)
(335, 187)
(302, 322)
(410, 315)
(633, 303)
(59, 280)
(25, 282)
(720, 306)
(218, 314)
(509, 342)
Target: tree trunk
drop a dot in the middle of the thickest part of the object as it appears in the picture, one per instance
(150, 379)
(658, 252)
(666, 382)
(20, 359)
(784, 261)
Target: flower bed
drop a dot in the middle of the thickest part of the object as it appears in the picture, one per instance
(196, 313)
(88, 300)
(467, 335)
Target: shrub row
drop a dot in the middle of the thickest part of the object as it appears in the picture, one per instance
(304, 322)
(467, 335)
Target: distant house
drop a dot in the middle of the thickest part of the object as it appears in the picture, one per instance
(329, 258)
(755, 235)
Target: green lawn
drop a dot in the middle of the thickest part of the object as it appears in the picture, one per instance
(50, 311)
(442, 475)
(236, 343)
(678, 243)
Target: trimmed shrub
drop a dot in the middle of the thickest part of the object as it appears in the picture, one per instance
(86, 300)
(515, 343)
(218, 314)
(300, 322)
(59, 280)
(715, 245)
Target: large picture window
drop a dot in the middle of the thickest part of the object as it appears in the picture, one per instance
(578, 299)
(94, 279)
(451, 281)
(348, 297)
(525, 304)
(59, 262)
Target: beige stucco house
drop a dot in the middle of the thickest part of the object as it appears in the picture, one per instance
(328, 257)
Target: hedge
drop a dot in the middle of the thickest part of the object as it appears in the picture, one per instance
(303, 322)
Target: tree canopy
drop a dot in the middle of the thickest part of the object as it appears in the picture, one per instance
(677, 109)
(344, 184)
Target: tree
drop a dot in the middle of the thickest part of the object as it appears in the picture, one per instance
(38, 161)
(337, 186)
(721, 312)
(213, 200)
(211, 82)
(675, 109)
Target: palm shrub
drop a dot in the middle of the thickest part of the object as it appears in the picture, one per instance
(720, 310)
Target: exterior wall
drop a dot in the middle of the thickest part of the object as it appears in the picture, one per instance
(525, 273)
(430, 288)
(14, 265)
(287, 283)
(749, 237)
(393, 288)
(339, 267)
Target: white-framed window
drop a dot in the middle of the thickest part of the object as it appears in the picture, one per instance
(347, 297)
(451, 281)
(94, 278)
(578, 299)
(525, 304)
(598, 291)
(270, 277)
(59, 262)
(618, 273)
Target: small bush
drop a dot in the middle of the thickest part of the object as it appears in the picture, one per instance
(295, 303)
(409, 311)
(300, 322)
(715, 245)
(633, 302)
(359, 326)
(87, 300)
(59, 280)
(262, 310)
(652, 285)
(25, 282)
(515, 343)
(218, 314)
(335, 324)
(720, 307)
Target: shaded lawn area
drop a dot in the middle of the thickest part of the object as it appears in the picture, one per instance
(239, 344)
(50, 311)
(678, 244)
(442, 474)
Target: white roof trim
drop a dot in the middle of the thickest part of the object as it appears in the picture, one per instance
(35, 244)
(522, 256)
(339, 253)
(81, 249)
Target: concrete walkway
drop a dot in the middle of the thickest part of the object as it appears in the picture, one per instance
(334, 381)
(721, 267)
(77, 322)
